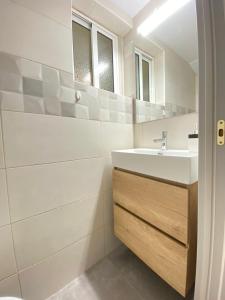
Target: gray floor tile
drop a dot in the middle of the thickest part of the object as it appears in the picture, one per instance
(149, 284)
(120, 276)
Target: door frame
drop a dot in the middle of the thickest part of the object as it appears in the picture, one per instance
(210, 270)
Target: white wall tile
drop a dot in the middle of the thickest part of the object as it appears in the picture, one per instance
(107, 173)
(137, 135)
(81, 111)
(4, 208)
(35, 139)
(2, 163)
(7, 259)
(108, 207)
(116, 136)
(111, 242)
(61, 12)
(11, 82)
(36, 189)
(39, 237)
(178, 129)
(10, 287)
(44, 279)
(34, 36)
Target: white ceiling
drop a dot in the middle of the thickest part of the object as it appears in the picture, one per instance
(179, 33)
(131, 7)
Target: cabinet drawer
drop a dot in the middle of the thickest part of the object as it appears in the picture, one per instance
(163, 205)
(165, 256)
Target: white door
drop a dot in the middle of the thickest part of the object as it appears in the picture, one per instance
(210, 277)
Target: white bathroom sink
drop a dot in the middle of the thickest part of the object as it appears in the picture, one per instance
(175, 165)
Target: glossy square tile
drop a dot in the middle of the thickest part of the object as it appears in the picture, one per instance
(50, 74)
(28, 68)
(93, 107)
(32, 87)
(67, 95)
(11, 101)
(51, 82)
(68, 109)
(52, 106)
(51, 89)
(104, 102)
(33, 104)
(11, 82)
(66, 79)
(114, 116)
(104, 115)
(81, 111)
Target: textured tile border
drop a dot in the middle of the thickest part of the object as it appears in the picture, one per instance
(145, 111)
(31, 87)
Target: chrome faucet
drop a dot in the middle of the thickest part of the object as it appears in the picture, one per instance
(163, 141)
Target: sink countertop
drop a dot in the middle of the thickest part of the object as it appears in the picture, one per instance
(175, 165)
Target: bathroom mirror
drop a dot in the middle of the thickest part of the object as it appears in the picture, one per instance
(161, 62)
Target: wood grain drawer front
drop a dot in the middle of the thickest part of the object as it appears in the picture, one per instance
(163, 205)
(162, 254)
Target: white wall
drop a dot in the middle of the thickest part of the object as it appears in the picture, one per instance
(178, 129)
(106, 14)
(37, 31)
(179, 81)
(55, 172)
(59, 189)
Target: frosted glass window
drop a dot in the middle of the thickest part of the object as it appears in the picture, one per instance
(105, 63)
(137, 75)
(82, 53)
(95, 51)
(145, 76)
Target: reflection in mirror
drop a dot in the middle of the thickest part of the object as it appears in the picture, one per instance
(161, 61)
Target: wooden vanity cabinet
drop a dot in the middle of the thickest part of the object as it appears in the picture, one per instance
(157, 220)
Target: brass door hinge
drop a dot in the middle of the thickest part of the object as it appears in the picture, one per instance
(220, 132)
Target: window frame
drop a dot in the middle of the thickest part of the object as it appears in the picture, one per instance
(95, 28)
(150, 60)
